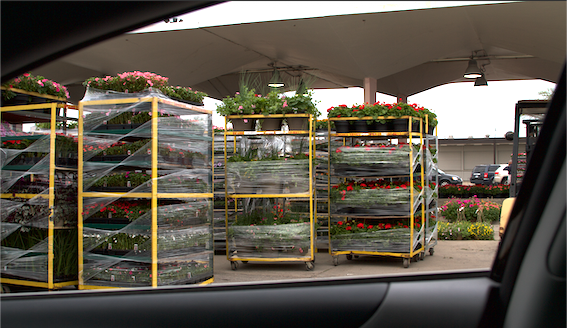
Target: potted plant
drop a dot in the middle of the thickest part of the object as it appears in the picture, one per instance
(299, 104)
(270, 105)
(243, 103)
(340, 111)
(184, 94)
(12, 95)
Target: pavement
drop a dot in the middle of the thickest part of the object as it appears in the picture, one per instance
(448, 255)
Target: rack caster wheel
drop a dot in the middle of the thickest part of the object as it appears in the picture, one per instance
(421, 256)
(335, 260)
(431, 251)
(234, 265)
(349, 257)
(406, 263)
(309, 266)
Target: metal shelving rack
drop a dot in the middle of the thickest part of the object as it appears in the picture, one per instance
(416, 243)
(231, 217)
(35, 266)
(161, 254)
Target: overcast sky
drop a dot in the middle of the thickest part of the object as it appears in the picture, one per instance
(463, 110)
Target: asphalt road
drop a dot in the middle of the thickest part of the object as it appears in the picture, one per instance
(448, 255)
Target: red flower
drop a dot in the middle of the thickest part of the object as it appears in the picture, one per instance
(405, 226)
(360, 225)
(349, 188)
(388, 226)
(340, 223)
(349, 228)
(343, 106)
(370, 226)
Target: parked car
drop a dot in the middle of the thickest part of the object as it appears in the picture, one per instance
(483, 174)
(446, 178)
(524, 288)
(502, 175)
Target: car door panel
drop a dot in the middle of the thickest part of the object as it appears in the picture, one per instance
(374, 302)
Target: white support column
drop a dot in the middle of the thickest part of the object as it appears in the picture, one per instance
(370, 89)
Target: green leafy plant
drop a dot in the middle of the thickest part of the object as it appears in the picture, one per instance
(184, 93)
(300, 104)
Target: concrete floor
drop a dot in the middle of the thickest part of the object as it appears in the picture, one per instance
(448, 255)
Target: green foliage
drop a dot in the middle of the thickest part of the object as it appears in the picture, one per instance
(300, 104)
(184, 93)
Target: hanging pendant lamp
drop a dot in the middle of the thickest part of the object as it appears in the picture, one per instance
(276, 81)
(472, 71)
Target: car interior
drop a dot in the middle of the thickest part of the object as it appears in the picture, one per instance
(524, 288)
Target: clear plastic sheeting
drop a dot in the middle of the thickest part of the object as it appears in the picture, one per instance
(119, 147)
(391, 240)
(29, 205)
(275, 241)
(374, 202)
(371, 160)
(268, 177)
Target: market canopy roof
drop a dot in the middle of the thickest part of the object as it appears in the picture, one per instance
(407, 52)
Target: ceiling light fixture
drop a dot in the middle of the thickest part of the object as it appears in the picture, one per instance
(276, 81)
(472, 71)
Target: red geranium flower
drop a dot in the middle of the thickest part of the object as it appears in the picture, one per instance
(370, 226)
(340, 223)
(360, 225)
(388, 226)
(348, 228)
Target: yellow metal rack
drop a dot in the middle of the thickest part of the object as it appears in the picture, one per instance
(51, 262)
(262, 242)
(176, 245)
(409, 241)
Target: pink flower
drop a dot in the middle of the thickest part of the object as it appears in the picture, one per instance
(285, 104)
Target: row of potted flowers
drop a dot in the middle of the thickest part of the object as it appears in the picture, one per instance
(379, 111)
(136, 81)
(248, 102)
(31, 83)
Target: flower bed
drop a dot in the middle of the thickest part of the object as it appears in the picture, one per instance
(472, 210)
(463, 230)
